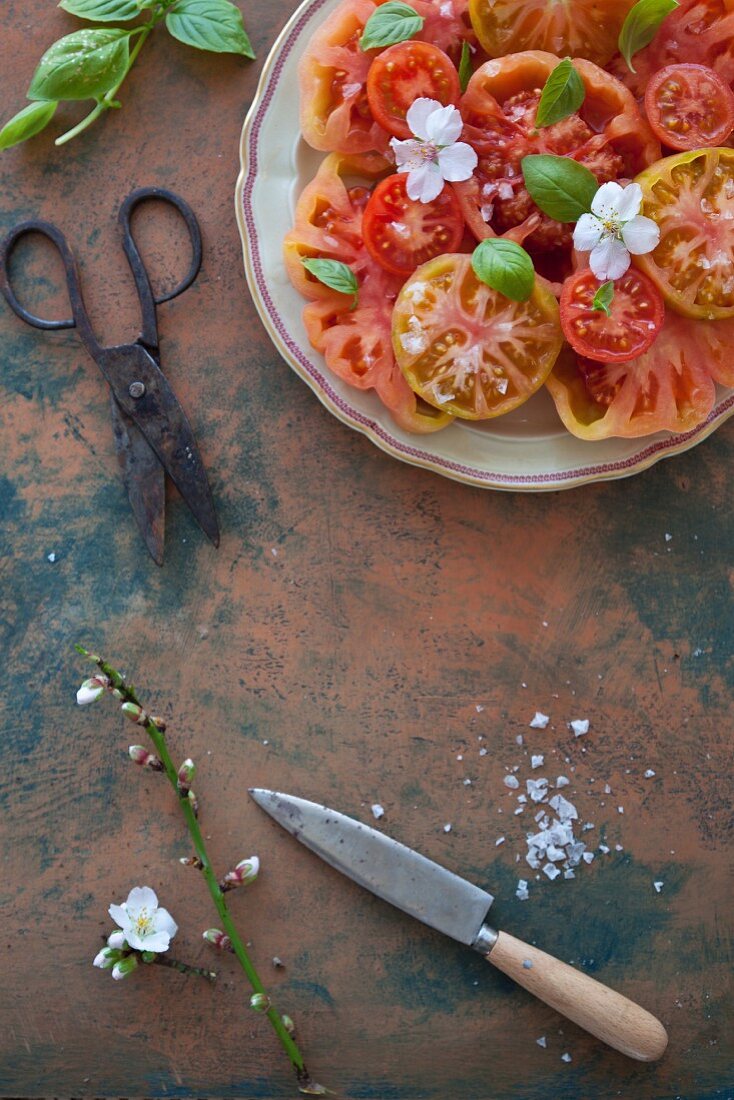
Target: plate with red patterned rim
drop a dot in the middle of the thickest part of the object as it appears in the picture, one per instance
(526, 450)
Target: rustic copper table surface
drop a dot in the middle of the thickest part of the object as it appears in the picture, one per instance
(364, 629)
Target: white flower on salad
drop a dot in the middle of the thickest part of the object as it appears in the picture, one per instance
(433, 154)
(615, 229)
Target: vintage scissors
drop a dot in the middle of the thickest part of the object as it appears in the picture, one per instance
(152, 434)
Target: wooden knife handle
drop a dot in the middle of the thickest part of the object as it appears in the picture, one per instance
(611, 1017)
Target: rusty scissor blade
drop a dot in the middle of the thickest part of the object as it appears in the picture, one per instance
(144, 479)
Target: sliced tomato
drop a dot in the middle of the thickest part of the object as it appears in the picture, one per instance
(446, 25)
(689, 106)
(357, 346)
(467, 349)
(332, 75)
(636, 316)
(670, 387)
(691, 197)
(698, 31)
(406, 72)
(608, 135)
(583, 28)
(328, 220)
(401, 233)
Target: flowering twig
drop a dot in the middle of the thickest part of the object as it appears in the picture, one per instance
(110, 680)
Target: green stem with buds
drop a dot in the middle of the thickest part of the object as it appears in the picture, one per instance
(126, 694)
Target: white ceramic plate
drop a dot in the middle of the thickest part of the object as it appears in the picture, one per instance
(528, 449)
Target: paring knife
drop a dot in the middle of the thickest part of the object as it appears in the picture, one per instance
(454, 906)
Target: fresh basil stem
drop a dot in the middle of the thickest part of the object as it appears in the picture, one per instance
(108, 100)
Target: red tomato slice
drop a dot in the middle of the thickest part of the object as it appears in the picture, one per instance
(670, 387)
(608, 134)
(698, 31)
(446, 25)
(636, 318)
(401, 233)
(332, 74)
(467, 349)
(406, 72)
(584, 28)
(357, 346)
(688, 106)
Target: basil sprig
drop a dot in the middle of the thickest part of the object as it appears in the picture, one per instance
(92, 63)
(641, 26)
(390, 23)
(506, 267)
(334, 274)
(563, 93)
(603, 298)
(559, 186)
(465, 71)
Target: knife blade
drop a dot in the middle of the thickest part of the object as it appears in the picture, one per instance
(448, 903)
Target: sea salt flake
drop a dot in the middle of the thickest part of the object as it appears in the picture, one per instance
(668, 536)
(569, 874)
(527, 964)
(542, 1042)
(377, 811)
(51, 557)
(618, 848)
(537, 789)
(447, 827)
(620, 809)
(649, 773)
(467, 782)
(658, 886)
(511, 781)
(540, 721)
(562, 781)
(603, 848)
(588, 857)
(519, 740)
(551, 871)
(479, 708)
(537, 761)
(607, 789)
(483, 752)
(580, 726)
(566, 810)
(566, 1057)
(522, 890)
(519, 810)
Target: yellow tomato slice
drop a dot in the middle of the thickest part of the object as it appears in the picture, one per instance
(467, 349)
(691, 197)
(579, 28)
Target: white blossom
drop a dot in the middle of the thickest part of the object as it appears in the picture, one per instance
(91, 690)
(145, 926)
(615, 229)
(433, 154)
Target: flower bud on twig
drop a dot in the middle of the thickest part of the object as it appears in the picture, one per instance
(185, 776)
(140, 755)
(124, 967)
(106, 958)
(91, 690)
(135, 713)
(117, 940)
(159, 723)
(244, 873)
(194, 803)
(260, 1002)
(288, 1025)
(217, 939)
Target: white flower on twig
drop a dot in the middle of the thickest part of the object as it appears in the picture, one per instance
(144, 926)
(614, 229)
(433, 154)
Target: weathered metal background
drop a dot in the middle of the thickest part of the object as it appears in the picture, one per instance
(340, 644)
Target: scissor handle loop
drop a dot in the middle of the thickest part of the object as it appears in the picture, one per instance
(148, 300)
(54, 234)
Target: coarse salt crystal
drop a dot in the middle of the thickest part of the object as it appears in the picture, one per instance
(580, 726)
(378, 811)
(658, 886)
(467, 782)
(649, 773)
(483, 752)
(588, 857)
(620, 809)
(542, 1042)
(51, 557)
(511, 781)
(522, 889)
(537, 761)
(562, 781)
(540, 721)
(537, 789)
(498, 841)
(447, 827)
(603, 848)
(618, 848)
(566, 1057)
(566, 810)
(551, 871)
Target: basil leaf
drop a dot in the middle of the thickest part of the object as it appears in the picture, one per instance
(563, 93)
(604, 298)
(559, 186)
(214, 25)
(504, 266)
(465, 69)
(334, 274)
(104, 11)
(641, 26)
(31, 120)
(83, 65)
(390, 23)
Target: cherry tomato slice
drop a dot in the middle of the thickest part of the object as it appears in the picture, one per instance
(636, 316)
(401, 233)
(406, 72)
(691, 197)
(689, 106)
(467, 349)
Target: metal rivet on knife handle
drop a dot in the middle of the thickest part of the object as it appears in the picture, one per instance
(598, 1009)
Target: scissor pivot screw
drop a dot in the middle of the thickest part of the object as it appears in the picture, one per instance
(137, 389)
